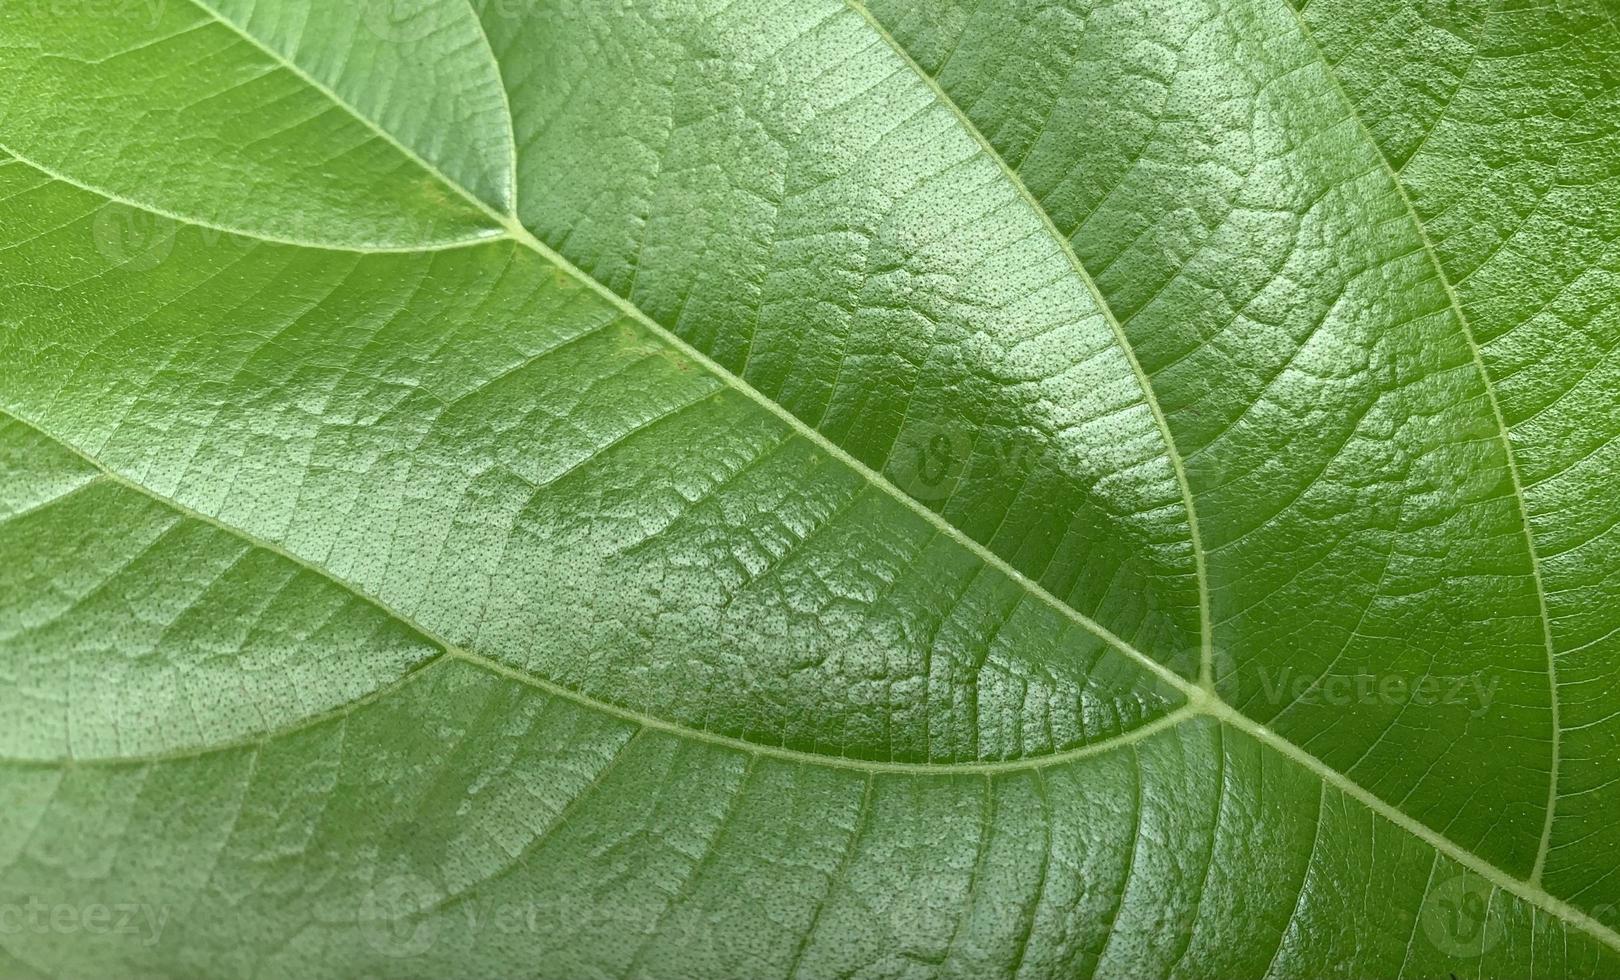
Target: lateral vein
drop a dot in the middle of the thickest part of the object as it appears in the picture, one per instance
(1206, 655)
(641, 719)
(1501, 426)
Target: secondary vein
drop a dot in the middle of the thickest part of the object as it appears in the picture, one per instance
(451, 650)
(1206, 656)
(1501, 427)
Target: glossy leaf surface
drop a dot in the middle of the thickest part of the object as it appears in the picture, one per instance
(917, 488)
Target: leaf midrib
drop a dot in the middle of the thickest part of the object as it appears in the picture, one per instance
(1201, 700)
(1469, 337)
(514, 229)
(1145, 380)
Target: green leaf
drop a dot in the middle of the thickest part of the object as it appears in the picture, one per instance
(681, 489)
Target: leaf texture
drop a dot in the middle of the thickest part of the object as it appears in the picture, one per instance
(824, 489)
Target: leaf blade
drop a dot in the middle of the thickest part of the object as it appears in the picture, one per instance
(337, 345)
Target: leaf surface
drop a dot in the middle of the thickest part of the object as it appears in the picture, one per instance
(809, 489)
